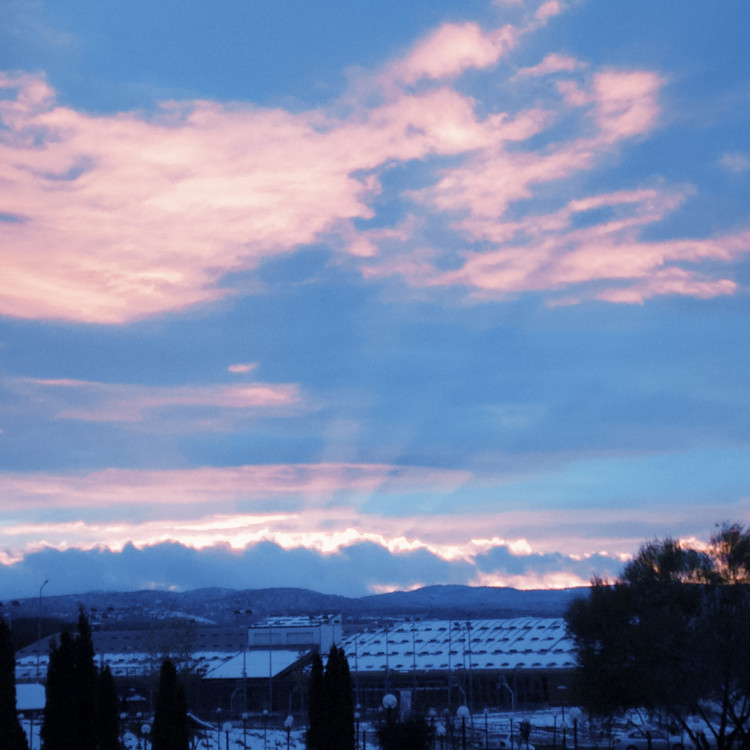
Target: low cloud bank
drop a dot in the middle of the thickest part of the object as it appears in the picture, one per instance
(355, 570)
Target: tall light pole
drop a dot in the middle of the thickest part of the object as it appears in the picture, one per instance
(462, 712)
(39, 629)
(288, 726)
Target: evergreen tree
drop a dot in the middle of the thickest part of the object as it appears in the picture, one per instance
(340, 706)
(59, 726)
(10, 727)
(84, 686)
(316, 706)
(672, 636)
(170, 730)
(330, 705)
(107, 707)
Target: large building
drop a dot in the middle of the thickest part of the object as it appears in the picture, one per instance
(516, 663)
(498, 664)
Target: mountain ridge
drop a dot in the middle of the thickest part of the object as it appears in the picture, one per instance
(224, 606)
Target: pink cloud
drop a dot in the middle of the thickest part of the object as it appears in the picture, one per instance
(121, 217)
(116, 402)
(242, 367)
(117, 217)
(198, 508)
(314, 484)
(626, 103)
(548, 10)
(556, 255)
(453, 49)
(552, 63)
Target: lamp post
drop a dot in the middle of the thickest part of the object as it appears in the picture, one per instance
(356, 727)
(432, 713)
(462, 712)
(39, 629)
(123, 718)
(265, 728)
(244, 636)
(440, 731)
(288, 726)
(226, 727)
(245, 717)
(389, 703)
(575, 714)
(561, 689)
(145, 731)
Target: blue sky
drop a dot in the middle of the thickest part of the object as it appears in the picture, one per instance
(363, 296)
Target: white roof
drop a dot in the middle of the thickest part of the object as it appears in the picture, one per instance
(256, 664)
(30, 697)
(441, 645)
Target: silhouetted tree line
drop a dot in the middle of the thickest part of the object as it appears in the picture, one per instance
(81, 710)
(82, 707)
(330, 705)
(170, 730)
(12, 734)
(671, 636)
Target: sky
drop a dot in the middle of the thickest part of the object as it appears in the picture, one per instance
(365, 295)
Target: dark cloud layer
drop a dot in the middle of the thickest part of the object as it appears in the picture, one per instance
(355, 570)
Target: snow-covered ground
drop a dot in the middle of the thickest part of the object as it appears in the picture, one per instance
(543, 724)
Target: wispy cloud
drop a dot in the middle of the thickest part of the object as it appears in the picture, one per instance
(118, 402)
(110, 218)
(735, 162)
(552, 63)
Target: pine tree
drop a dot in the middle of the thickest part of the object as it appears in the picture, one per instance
(59, 726)
(330, 706)
(340, 706)
(170, 730)
(316, 706)
(107, 705)
(84, 686)
(13, 735)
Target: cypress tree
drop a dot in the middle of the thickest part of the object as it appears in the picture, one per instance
(107, 705)
(85, 685)
(170, 730)
(316, 706)
(59, 726)
(339, 704)
(11, 731)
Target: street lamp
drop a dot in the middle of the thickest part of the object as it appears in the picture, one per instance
(226, 727)
(245, 717)
(561, 689)
(440, 731)
(265, 728)
(123, 719)
(39, 629)
(356, 727)
(432, 713)
(145, 731)
(218, 727)
(389, 703)
(575, 714)
(462, 712)
(288, 726)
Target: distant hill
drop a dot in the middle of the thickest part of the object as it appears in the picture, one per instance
(218, 606)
